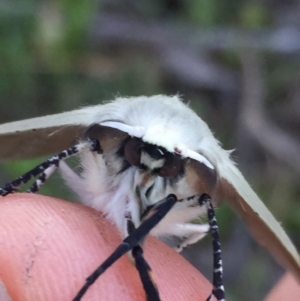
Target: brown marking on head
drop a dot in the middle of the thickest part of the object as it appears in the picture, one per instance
(145, 179)
(201, 178)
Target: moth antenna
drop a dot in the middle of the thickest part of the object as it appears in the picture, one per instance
(45, 167)
(155, 215)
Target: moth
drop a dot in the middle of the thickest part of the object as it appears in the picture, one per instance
(158, 163)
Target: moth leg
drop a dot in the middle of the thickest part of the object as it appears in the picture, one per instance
(192, 232)
(144, 269)
(35, 187)
(154, 215)
(218, 288)
(45, 167)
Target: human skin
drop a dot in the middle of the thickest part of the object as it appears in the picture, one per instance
(287, 288)
(49, 246)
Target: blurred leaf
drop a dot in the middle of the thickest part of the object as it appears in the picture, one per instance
(202, 12)
(254, 15)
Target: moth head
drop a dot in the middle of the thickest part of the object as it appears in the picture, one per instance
(153, 158)
(181, 170)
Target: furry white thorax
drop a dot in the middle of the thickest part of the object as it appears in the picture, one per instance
(168, 122)
(163, 121)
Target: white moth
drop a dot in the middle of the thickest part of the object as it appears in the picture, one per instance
(170, 125)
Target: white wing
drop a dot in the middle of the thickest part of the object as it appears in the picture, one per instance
(259, 220)
(42, 135)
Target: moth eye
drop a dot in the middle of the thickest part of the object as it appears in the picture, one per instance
(155, 152)
(172, 167)
(132, 151)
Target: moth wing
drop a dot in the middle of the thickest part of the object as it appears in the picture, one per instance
(110, 138)
(261, 223)
(42, 135)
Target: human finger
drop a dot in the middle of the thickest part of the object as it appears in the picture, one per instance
(49, 246)
(287, 288)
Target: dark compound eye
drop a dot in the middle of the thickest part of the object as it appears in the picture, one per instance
(132, 151)
(172, 167)
(155, 152)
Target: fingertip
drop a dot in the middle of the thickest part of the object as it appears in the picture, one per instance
(287, 288)
(49, 246)
(176, 278)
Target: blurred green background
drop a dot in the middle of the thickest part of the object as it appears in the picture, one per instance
(237, 62)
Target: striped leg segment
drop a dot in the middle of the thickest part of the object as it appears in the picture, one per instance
(218, 288)
(42, 179)
(153, 217)
(48, 167)
(144, 269)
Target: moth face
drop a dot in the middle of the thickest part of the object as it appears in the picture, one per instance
(153, 159)
(156, 172)
(159, 172)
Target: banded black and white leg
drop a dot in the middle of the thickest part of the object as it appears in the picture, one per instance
(36, 186)
(46, 168)
(197, 232)
(218, 287)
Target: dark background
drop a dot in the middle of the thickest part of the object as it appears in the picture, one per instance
(237, 62)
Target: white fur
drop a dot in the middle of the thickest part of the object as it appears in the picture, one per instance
(164, 121)
(160, 120)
